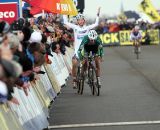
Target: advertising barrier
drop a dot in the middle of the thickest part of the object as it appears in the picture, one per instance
(33, 111)
(10, 10)
(122, 38)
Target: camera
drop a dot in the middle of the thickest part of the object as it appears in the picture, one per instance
(17, 25)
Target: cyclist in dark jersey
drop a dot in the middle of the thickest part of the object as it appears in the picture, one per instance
(92, 43)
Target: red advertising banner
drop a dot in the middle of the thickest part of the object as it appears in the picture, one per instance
(8, 11)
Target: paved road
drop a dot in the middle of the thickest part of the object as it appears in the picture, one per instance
(130, 92)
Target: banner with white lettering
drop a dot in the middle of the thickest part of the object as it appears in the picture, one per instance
(59, 6)
(8, 11)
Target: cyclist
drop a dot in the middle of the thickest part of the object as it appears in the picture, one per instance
(80, 30)
(92, 43)
(136, 36)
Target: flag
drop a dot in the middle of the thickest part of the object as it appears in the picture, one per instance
(59, 6)
(147, 7)
(54, 6)
(35, 10)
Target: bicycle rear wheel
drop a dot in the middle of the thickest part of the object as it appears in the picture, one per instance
(81, 82)
(78, 80)
(137, 52)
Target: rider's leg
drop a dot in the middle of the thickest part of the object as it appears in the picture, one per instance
(97, 62)
(134, 44)
(139, 46)
(74, 68)
(85, 65)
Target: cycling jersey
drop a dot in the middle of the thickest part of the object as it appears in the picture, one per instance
(79, 32)
(135, 35)
(87, 46)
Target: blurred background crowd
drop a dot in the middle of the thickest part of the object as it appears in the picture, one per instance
(25, 45)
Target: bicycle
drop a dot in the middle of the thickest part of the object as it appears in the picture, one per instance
(91, 75)
(136, 48)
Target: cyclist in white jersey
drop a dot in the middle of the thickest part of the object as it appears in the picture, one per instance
(136, 35)
(80, 30)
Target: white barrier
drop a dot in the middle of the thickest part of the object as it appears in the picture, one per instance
(59, 73)
(32, 112)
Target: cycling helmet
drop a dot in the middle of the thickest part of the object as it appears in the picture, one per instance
(80, 16)
(92, 34)
(136, 27)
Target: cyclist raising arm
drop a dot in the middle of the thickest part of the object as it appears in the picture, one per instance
(92, 43)
(80, 31)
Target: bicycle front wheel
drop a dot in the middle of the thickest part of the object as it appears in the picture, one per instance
(78, 80)
(94, 83)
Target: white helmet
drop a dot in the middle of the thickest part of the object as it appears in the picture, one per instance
(80, 16)
(92, 34)
(136, 27)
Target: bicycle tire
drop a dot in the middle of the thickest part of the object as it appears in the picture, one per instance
(137, 52)
(95, 87)
(78, 80)
(137, 55)
(90, 80)
(81, 82)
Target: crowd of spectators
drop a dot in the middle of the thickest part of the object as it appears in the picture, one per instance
(25, 46)
(110, 26)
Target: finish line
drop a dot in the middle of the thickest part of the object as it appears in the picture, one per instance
(105, 124)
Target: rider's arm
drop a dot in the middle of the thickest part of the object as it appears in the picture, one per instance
(65, 20)
(95, 24)
(97, 21)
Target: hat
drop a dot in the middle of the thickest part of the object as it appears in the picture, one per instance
(36, 37)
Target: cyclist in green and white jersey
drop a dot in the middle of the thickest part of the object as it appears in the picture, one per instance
(92, 43)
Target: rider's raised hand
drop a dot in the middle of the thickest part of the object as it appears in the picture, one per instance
(98, 12)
